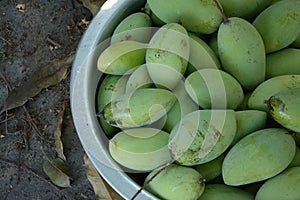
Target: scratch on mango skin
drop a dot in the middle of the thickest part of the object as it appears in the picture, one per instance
(200, 137)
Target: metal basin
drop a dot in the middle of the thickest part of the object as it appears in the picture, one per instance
(84, 81)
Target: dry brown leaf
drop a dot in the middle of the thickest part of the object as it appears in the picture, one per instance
(44, 77)
(102, 190)
(93, 5)
(58, 145)
(21, 7)
(56, 170)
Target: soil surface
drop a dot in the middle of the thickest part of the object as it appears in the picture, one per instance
(30, 38)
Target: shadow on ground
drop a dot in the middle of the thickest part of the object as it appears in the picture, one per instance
(31, 38)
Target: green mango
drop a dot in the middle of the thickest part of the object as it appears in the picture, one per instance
(283, 62)
(274, 1)
(283, 186)
(296, 160)
(297, 138)
(139, 108)
(296, 43)
(159, 124)
(213, 43)
(139, 79)
(259, 97)
(155, 20)
(213, 88)
(199, 16)
(167, 55)
(258, 156)
(202, 136)
(217, 180)
(257, 119)
(241, 51)
(136, 27)
(142, 149)
(111, 87)
(280, 33)
(224, 192)
(244, 104)
(201, 55)
(176, 182)
(244, 9)
(252, 188)
(284, 108)
(122, 57)
(183, 106)
(211, 169)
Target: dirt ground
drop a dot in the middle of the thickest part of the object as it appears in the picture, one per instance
(30, 38)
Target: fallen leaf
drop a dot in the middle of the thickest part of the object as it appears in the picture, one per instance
(56, 170)
(84, 22)
(58, 145)
(93, 5)
(21, 7)
(44, 77)
(102, 190)
(23, 171)
(51, 47)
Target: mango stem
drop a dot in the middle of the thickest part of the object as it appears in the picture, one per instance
(147, 183)
(225, 18)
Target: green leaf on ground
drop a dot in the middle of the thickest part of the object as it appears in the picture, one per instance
(56, 170)
(44, 77)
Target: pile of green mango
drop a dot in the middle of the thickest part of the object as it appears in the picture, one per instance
(207, 93)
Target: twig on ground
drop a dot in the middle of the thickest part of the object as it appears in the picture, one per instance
(9, 43)
(7, 119)
(32, 124)
(28, 116)
(6, 82)
(7, 89)
(55, 44)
